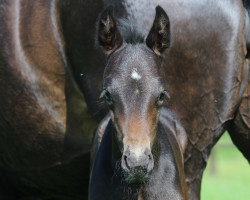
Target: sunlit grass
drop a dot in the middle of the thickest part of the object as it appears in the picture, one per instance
(231, 177)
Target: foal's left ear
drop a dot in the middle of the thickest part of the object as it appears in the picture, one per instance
(158, 38)
(109, 36)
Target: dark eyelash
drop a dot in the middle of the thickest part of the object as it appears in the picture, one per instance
(166, 94)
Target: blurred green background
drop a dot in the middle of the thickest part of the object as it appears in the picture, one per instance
(227, 176)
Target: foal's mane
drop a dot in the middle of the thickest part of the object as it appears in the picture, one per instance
(129, 32)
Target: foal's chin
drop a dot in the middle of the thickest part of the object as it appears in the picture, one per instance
(136, 179)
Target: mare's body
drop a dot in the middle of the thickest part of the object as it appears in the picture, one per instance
(167, 180)
(45, 129)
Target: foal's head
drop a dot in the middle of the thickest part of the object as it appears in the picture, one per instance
(134, 89)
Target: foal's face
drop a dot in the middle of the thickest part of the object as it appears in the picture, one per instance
(134, 91)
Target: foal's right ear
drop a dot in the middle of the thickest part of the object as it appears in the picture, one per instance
(109, 36)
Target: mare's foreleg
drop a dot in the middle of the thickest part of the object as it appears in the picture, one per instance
(240, 127)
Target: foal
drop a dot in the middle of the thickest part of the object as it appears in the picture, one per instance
(140, 155)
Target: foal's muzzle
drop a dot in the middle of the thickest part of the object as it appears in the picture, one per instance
(137, 168)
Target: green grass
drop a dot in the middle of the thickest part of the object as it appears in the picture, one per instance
(231, 178)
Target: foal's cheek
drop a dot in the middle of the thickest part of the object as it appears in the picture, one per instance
(152, 121)
(118, 134)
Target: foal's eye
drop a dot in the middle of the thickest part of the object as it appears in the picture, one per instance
(107, 95)
(162, 96)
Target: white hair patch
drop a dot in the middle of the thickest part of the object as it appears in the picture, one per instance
(135, 75)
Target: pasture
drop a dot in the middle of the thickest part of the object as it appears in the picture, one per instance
(229, 176)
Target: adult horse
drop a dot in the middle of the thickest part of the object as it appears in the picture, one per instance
(205, 70)
(44, 121)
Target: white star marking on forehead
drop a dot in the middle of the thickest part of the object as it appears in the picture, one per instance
(135, 75)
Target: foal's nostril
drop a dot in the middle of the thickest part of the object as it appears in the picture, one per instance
(126, 162)
(150, 162)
